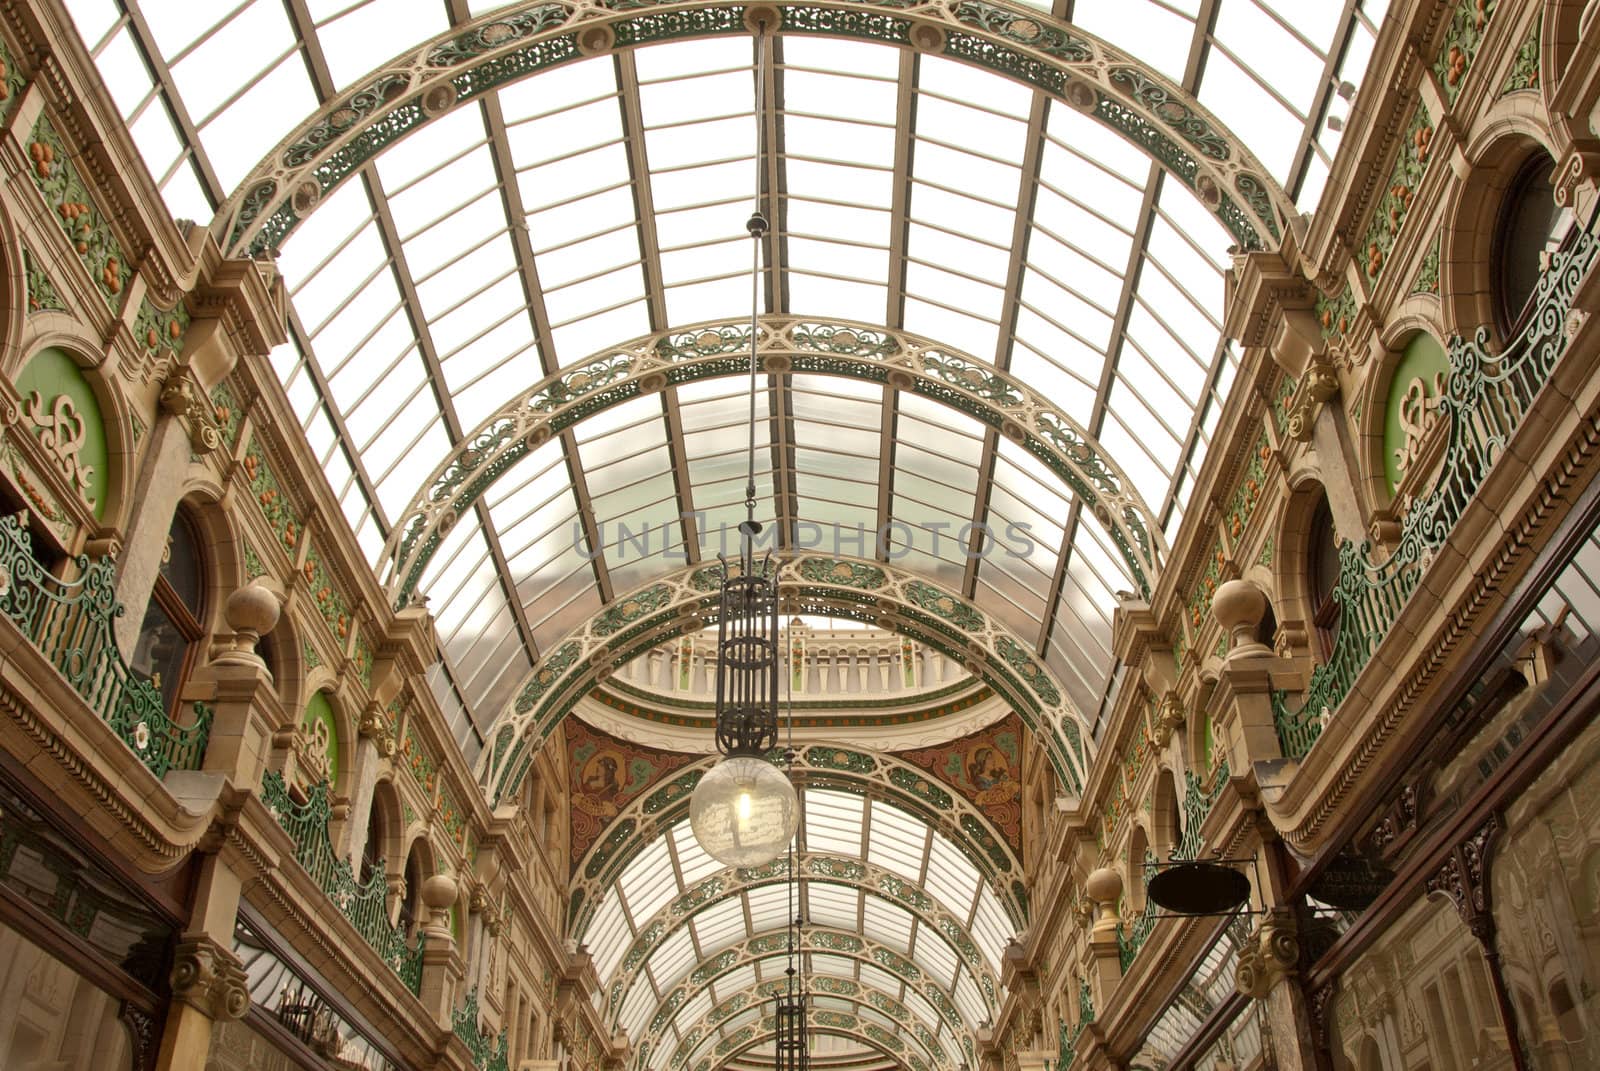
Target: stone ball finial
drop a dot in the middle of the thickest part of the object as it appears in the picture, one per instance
(439, 892)
(252, 610)
(1103, 885)
(1239, 607)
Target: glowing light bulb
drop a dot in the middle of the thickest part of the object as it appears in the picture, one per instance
(744, 804)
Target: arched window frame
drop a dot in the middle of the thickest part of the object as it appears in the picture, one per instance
(1530, 188)
(168, 607)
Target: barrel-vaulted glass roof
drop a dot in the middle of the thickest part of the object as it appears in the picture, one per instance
(918, 960)
(604, 200)
(597, 207)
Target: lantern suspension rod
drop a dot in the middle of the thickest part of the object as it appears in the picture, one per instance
(757, 226)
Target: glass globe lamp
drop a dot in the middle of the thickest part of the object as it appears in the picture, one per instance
(744, 811)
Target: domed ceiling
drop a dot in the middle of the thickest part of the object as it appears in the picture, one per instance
(991, 302)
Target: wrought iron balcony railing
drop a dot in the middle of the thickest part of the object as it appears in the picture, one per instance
(363, 903)
(71, 624)
(488, 1050)
(1485, 398)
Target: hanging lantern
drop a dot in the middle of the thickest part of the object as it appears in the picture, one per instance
(744, 811)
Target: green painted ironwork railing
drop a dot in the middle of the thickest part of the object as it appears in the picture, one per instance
(1068, 1038)
(488, 1051)
(364, 904)
(71, 624)
(1131, 938)
(1484, 400)
(1197, 805)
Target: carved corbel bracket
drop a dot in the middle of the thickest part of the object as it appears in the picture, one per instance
(375, 727)
(1463, 879)
(1169, 717)
(1316, 388)
(183, 397)
(1579, 169)
(210, 978)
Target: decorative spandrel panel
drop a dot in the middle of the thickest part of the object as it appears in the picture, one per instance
(986, 768)
(606, 775)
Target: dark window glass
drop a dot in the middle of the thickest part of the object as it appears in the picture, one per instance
(169, 637)
(1323, 553)
(1531, 227)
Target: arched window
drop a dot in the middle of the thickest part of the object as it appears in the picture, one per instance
(1531, 226)
(1322, 551)
(169, 638)
(377, 835)
(1565, 1009)
(411, 905)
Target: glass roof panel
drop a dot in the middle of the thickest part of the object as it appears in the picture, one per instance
(886, 924)
(541, 225)
(833, 822)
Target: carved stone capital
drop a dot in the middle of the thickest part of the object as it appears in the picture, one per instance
(183, 397)
(210, 978)
(1272, 956)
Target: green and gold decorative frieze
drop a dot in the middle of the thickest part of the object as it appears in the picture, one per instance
(85, 226)
(1468, 22)
(42, 293)
(1524, 72)
(1395, 202)
(275, 504)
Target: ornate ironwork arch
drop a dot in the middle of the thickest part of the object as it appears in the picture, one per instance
(787, 344)
(815, 868)
(1014, 41)
(823, 940)
(858, 994)
(868, 591)
(819, 765)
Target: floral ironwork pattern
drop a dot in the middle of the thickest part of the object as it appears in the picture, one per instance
(70, 622)
(1013, 41)
(962, 382)
(363, 903)
(488, 1050)
(1486, 395)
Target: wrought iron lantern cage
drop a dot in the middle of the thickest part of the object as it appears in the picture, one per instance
(792, 1051)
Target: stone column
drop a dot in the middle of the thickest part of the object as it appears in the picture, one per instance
(208, 980)
(166, 457)
(373, 745)
(442, 968)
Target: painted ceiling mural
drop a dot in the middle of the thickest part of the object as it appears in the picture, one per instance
(606, 774)
(986, 768)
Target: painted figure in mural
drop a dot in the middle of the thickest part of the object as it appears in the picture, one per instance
(987, 768)
(602, 775)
